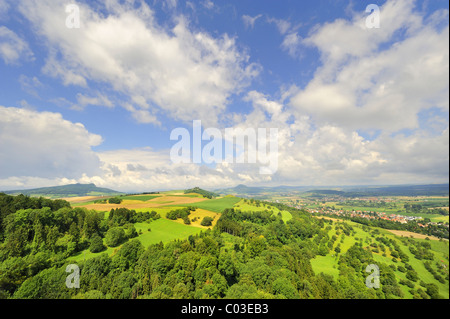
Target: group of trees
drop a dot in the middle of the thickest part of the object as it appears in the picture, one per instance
(424, 208)
(438, 230)
(10, 204)
(204, 193)
(431, 207)
(367, 203)
(182, 213)
(37, 234)
(271, 226)
(206, 221)
(111, 200)
(122, 216)
(421, 250)
(114, 200)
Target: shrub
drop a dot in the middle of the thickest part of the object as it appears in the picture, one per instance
(96, 244)
(114, 200)
(115, 236)
(130, 230)
(207, 221)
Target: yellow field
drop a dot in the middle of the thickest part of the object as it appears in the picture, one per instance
(81, 199)
(160, 201)
(161, 204)
(200, 214)
(408, 234)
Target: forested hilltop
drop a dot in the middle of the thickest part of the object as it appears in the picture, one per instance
(251, 252)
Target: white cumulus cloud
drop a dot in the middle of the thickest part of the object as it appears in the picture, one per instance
(181, 72)
(13, 48)
(44, 145)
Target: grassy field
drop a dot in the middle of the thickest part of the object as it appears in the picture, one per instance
(326, 264)
(329, 264)
(246, 206)
(173, 192)
(160, 230)
(164, 230)
(217, 205)
(86, 254)
(142, 198)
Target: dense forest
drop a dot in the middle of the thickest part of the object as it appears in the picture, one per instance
(246, 255)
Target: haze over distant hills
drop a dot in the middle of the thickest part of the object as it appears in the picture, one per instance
(73, 190)
(385, 190)
(70, 190)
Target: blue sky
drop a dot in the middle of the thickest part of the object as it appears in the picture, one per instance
(352, 105)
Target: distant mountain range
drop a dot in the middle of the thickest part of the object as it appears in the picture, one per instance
(347, 191)
(71, 190)
(242, 189)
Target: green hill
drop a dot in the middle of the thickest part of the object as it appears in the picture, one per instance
(202, 192)
(70, 190)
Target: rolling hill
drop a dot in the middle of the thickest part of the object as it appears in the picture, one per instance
(345, 191)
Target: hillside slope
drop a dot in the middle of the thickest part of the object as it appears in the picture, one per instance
(65, 191)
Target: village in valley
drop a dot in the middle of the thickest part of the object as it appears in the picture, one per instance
(366, 214)
(424, 210)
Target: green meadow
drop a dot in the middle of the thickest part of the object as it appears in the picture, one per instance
(142, 198)
(160, 230)
(247, 206)
(326, 264)
(329, 264)
(217, 205)
(163, 230)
